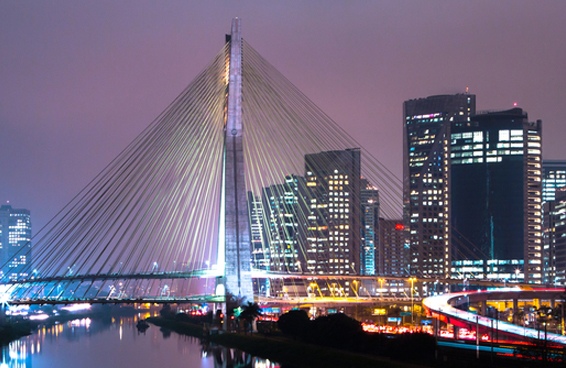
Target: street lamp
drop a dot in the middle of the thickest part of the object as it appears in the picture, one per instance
(380, 290)
(412, 280)
(313, 287)
(355, 288)
(381, 286)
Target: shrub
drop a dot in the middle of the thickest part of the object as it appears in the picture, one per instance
(294, 323)
(337, 330)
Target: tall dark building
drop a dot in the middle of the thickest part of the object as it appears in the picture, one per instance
(334, 220)
(495, 197)
(426, 130)
(370, 226)
(15, 242)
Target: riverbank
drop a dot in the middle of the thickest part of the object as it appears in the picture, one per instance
(297, 354)
(400, 351)
(10, 331)
(288, 352)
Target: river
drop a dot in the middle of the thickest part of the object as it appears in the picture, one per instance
(116, 342)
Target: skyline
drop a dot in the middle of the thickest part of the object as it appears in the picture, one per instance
(80, 81)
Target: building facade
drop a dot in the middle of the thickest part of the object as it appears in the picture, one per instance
(553, 177)
(554, 256)
(495, 197)
(553, 186)
(334, 219)
(285, 212)
(553, 180)
(426, 130)
(392, 252)
(260, 255)
(15, 242)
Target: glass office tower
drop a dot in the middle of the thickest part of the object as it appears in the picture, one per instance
(495, 197)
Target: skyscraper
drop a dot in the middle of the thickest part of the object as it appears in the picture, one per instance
(15, 241)
(370, 224)
(426, 129)
(495, 196)
(334, 219)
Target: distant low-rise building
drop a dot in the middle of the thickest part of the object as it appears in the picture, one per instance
(392, 250)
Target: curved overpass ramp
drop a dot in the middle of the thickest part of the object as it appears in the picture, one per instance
(445, 308)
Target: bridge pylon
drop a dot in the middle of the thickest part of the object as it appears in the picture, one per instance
(235, 252)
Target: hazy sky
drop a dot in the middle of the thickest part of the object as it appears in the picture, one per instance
(80, 79)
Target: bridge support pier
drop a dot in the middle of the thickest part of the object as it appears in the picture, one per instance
(483, 307)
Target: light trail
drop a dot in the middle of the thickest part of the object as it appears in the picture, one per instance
(444, 305)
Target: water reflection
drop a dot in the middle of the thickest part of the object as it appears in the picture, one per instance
(118, 342)
(166, 332)
(232, 358)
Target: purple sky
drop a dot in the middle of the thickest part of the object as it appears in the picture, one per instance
(80, 79)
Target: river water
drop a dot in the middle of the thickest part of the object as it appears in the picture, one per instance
(116, 342)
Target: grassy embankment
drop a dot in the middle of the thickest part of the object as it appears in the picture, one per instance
(291, 353)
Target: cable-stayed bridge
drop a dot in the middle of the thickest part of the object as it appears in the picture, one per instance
(170, 217)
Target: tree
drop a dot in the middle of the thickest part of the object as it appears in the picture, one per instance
(250, 312)
(336, 330)
(232, 305)
(166, 311)
(294, 323)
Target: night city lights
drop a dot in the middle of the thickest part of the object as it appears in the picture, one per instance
(264, 185)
